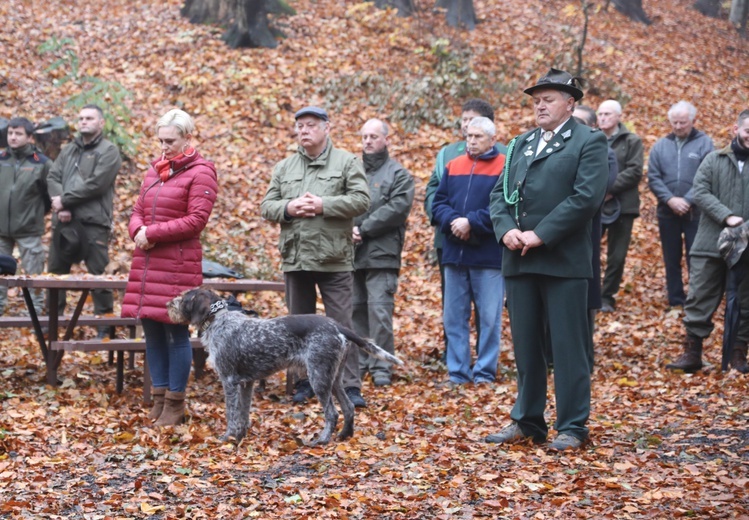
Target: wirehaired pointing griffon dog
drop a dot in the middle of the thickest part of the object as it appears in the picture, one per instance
(243, 350)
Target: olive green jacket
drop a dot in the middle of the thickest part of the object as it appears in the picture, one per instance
(23, 190)
(383, 226)
(83, 176)
(630, 158)
(322, 243)
(719, 190)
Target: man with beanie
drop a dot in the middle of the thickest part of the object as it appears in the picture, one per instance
(721, 191)
(379, 235)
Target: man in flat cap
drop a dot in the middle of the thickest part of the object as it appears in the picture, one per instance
(542, 209)
(314, 195)
(720, 191)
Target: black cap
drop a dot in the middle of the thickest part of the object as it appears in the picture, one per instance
(558, 80)
(312, 111)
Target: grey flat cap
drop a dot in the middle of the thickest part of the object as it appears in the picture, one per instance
(312, 111)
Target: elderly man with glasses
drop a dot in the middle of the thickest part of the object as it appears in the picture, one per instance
(314, 195)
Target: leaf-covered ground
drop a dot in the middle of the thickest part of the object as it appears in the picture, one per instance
(662, 445)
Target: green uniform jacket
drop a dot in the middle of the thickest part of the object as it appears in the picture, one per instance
(558, 193)
(629, 156)
(383, 226)
(23, 190)
(323, 243)
(719, 190)
(83, 176)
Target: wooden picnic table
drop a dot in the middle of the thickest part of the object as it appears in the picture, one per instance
(53, 347)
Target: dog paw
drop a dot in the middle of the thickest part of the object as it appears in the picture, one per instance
(319, 441)
(236, 438)
(346, 433)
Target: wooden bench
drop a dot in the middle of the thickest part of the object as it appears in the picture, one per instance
(64, 321)
(119, 347)
(60, 343)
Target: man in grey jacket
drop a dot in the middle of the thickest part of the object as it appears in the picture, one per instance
(379, 235)
(721, 191)
(81, 186)
(673, 162)
(314, 194)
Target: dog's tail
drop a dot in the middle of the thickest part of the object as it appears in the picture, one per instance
(368, 346)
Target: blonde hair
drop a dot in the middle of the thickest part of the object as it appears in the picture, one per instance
(179, 119)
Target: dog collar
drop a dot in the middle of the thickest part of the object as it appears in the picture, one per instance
(216, 307)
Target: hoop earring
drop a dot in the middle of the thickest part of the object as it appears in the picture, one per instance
(189, 148)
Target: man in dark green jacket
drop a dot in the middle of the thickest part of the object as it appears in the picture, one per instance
(629, 156)
(314, 194)
(81, 186)
(542, 210)
(23, 203)
(379, 235)
(721, 191)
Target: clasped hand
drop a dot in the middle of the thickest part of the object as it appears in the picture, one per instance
(525, 240)
(141, 241)
(306, 206)
(461, 228)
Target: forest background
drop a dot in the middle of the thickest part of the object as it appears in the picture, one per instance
(662, 444)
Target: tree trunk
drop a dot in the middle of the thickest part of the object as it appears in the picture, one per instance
(633, 9)
(709, 8)
(247, 20)
(405, 7)
(739, 14)
(459, 13)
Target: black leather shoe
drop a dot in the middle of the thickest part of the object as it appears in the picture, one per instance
(302, 391)
(354, 395)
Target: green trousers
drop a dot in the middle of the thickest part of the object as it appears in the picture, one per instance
(563, 304)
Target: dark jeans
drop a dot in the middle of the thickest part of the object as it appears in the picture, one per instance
(677, 234)
(336, 290)
(169, 354)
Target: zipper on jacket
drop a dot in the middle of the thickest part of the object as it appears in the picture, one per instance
(465, 203)
(148, 252)
(143, 285)
(12, 189)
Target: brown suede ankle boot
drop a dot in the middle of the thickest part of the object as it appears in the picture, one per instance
(691, 359)
(738, 357)
(174, 409)
(158, 402)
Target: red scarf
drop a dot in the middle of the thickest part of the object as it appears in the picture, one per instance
(164, 166)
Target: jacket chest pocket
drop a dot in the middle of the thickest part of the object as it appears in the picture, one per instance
(330, 183)
(291, 186)
(382, 191)
(87, 164)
